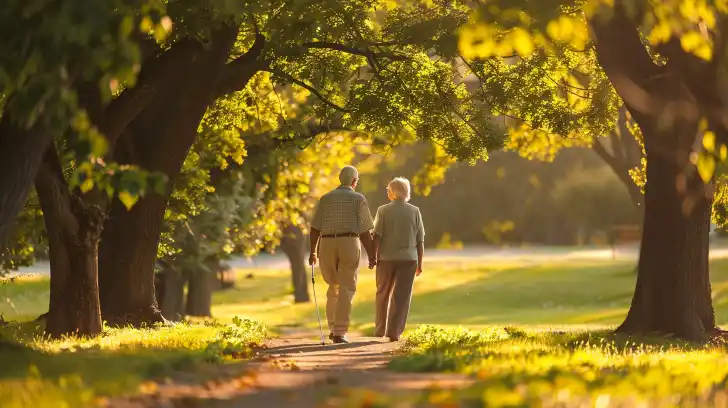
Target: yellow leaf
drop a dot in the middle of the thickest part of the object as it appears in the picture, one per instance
(723, 152)
(522, 42)
(560, 29)
(127, 199)
(696, 44)
(706, 167)
(146, 25)
(476, 41)
(660, 33)
(709, 141)
(87, 185)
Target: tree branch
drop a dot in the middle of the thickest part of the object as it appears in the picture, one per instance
(365, 52)
(625, 59)
(157, 71)
(55, 198)
(621, 170)
(239, 71)
(287, 77)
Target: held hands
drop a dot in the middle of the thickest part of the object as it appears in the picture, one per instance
(312, 259)
(372, 262)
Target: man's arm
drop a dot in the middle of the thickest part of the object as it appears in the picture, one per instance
(366, 225)
(366, 240)
(314, 236)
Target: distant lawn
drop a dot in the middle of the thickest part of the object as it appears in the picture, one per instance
(573, 295)
(594, 294)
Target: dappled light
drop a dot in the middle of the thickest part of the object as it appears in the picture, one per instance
(363, 203)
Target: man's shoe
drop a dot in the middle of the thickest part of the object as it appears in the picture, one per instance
(393, 339)
(340, 340)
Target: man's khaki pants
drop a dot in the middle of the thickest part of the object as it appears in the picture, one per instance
(339, 262)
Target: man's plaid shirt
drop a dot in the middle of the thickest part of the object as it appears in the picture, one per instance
(342, 210)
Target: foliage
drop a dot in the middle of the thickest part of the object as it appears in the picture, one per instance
(236, 340)
(594, 200)
(27, 239)
(508, 199)
(47, 48)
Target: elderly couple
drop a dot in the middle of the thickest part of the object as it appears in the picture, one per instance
(342, 219)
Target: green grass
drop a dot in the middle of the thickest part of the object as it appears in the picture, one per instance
(571, 297)
(77, 372)
(516, 367)
(593, 295)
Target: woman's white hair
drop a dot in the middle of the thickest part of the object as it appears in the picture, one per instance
(400, 187)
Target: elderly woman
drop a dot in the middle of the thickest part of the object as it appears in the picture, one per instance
(398, 242)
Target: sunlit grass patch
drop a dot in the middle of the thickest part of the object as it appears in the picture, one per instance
(515, 366)
(77, 371)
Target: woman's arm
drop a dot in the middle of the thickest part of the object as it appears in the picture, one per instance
(420, 241)
(420, 252)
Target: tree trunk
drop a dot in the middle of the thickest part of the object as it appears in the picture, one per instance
(673, 294)
(73, 230)
(199, 293)
(171, 298)
(126, 261)
(292, 246)
(129, 248)
(21, 153)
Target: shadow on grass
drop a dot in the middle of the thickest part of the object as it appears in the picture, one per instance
(107, 371)
(315, 346)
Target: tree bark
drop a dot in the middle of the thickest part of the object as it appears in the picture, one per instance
(292, 246)
(171, 297)
(199, 293)
(157, 140)
(673, 294)
(73, 230)
(21, 153)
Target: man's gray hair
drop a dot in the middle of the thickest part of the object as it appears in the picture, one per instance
(400, 187)
(347, 175)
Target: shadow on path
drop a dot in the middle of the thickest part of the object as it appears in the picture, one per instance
(300, 373)
(308, 348)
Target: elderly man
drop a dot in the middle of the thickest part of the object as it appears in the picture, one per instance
(342, 219)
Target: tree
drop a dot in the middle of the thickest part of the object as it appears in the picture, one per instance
(46, 50)
(55, 57)
(651, 55)
(360, 71)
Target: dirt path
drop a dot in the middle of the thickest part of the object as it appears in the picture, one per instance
(297, 369)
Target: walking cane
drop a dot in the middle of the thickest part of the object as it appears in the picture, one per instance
(318, 314)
